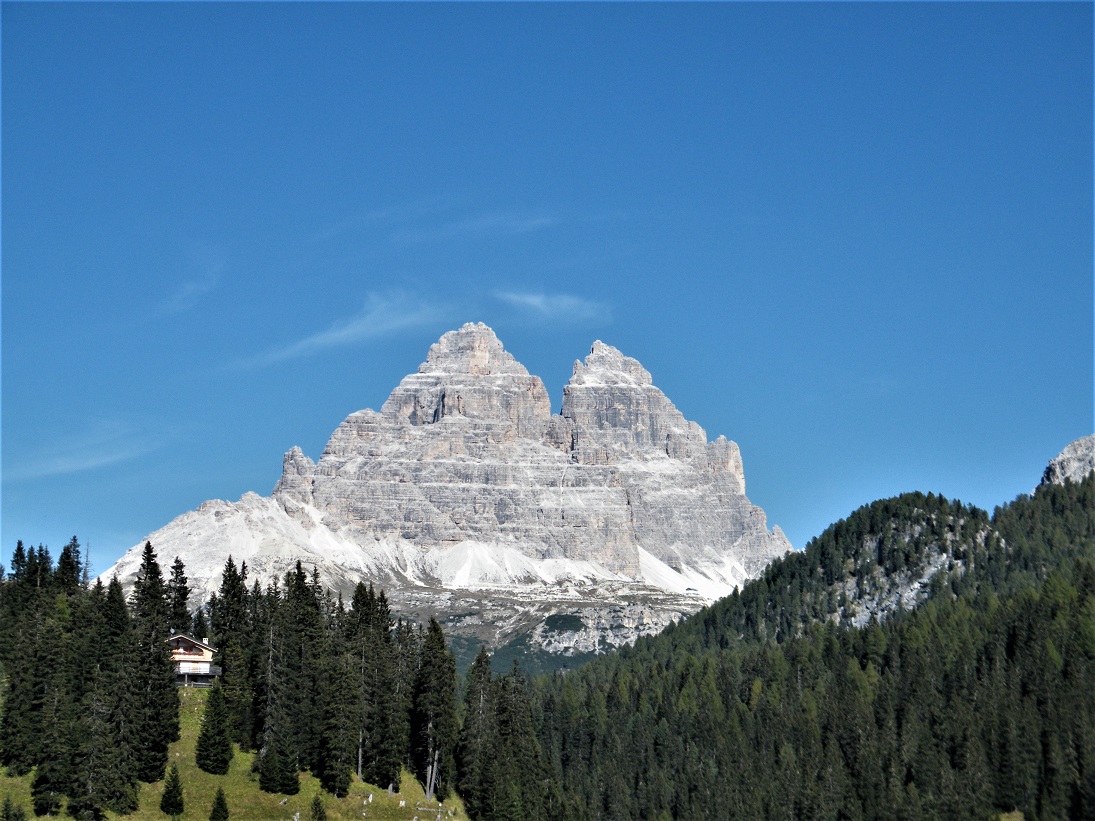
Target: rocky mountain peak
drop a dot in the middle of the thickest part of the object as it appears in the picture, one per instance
(469, 377)
(607, 366)
(1075, 462)
(466, 494)
(297, 472)
(473, 349)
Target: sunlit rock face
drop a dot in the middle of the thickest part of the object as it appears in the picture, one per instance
(465, 493)
(1075, 462)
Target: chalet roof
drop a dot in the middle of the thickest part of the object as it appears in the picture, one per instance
(190, 638)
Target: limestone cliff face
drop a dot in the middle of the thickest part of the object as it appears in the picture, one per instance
(465, 486)
(467, 450)
(1075, 462)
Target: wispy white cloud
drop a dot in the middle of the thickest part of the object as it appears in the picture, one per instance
(101, 445)
(382, 314)
(556, 306)
(504, 223)
(206, 265)
(188, 294)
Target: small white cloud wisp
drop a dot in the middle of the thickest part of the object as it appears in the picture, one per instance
(102, 445)
(382, 314)
(207, 265)
(555, 306)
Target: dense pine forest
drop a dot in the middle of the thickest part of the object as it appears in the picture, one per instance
(781, 700)
(90, 702)
(769, 705)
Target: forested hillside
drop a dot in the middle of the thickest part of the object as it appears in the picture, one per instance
(980, 700)
(90, 703)
(919, 659)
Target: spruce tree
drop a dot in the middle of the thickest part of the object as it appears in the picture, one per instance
(340, 732)
(477, 751)
(300, 670)
(277, 759)
(154, 677)
(106, 772)
(407, 641)
(48, 787)
(376, 711)
(10, 812)
(237, 693)
(318, 813)
(277, 773)
(219, 812)
(115, 648)
(228, 610)
(15, 595)
(69, 570)
(54, 774)
(214, 748)
(178, 594)
(171, 803)
(199, 627)
(383, 747)
(20, 722)
(433, 721)
(521, 774)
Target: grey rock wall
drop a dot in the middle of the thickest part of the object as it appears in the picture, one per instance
(467, 449)
(1075, 462)
(465, 495)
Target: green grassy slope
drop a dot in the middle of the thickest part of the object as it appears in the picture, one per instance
(245, 799)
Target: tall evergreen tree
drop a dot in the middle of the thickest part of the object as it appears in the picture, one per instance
(478, 739)
(69, 568)
(116, 643)
(21, 720)
(228, 609)
(53, 776)
(433, 721)
(171, 803)
(277, 761)
(41, 569)
(340, 733)
(15, 595)
(407, 657)
(521, 775)
(237, 693)
(178, 596)
(106, 769)
(214, 748)
(154, 677)
(376, 709)
(199, 626)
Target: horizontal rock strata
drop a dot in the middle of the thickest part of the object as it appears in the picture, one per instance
(465, 481)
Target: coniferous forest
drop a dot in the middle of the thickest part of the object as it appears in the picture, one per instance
(308, 682)
(978, 701)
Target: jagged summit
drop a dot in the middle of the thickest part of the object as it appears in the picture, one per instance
(1075, 462)
(465, 482)
(607, 366)
(473, 349)
(468, 375)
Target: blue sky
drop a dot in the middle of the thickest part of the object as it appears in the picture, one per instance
(854, 238)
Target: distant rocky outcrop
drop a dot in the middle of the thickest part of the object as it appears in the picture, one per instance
(1075, 462)
(464, 493)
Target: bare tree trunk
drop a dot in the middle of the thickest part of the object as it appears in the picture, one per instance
(432, 773)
